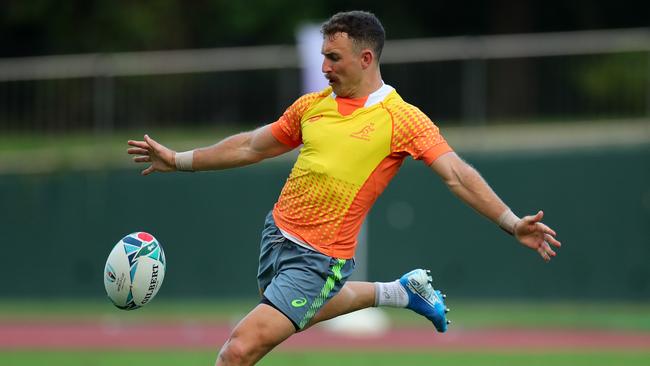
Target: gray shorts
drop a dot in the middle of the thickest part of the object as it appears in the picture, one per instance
(296, 280)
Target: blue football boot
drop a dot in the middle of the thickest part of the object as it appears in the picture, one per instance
(424, 300)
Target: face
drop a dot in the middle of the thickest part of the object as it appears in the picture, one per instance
(342, 64)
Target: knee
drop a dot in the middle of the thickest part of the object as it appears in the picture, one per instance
(234, 352)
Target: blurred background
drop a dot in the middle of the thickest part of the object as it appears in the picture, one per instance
(549, 100)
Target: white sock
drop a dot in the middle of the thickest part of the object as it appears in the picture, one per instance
(390, 294)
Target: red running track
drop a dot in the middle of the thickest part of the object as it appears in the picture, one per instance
(147, 336)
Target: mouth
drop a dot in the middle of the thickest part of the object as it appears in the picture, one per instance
(331, 79)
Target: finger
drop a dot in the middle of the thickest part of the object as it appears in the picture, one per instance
(548, 249)
(142, 159)
(542, 252)
(149, 170)
(551, 253)
(547, 230)
(533, 219)
(551, 240)
(137, 151)
(153, 143)
(140, 144)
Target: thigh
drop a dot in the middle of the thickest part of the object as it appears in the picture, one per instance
(270, 245)
(305, 281)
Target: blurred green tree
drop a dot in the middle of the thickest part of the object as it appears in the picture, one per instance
(39, 27)
(620, 79)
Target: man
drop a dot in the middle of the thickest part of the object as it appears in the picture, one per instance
(354, 136)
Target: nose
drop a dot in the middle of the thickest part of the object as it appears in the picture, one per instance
(326, 67)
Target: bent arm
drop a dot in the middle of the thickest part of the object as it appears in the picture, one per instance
(238, 150)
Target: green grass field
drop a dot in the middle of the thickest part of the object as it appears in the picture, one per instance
(466, 315)
(328, 358)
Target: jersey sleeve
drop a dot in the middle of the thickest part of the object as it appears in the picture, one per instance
(415, 134)
(287, 128)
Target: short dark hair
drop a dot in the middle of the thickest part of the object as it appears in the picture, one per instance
(362, 27)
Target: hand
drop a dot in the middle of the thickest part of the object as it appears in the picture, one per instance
(161, 158)
(535, 235)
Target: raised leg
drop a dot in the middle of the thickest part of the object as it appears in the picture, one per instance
(416, 292)
(353, 296)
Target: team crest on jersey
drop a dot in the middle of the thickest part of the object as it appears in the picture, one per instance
(364, 133)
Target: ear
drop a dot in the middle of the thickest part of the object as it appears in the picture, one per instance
(367, 58)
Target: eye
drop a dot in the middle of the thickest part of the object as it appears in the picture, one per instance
(332, 57)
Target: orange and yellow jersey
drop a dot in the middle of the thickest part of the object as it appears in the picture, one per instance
(351, 149)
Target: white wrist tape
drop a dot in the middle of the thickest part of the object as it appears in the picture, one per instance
(184, 160)
(507, 221)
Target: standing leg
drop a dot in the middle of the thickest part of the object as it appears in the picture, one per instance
(255, 336)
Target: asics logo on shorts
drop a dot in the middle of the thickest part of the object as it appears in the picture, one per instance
(299, 302)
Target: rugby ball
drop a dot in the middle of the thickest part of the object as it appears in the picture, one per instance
(134, 271)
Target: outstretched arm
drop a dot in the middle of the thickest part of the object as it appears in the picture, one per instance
(468, 185)
(237, 150)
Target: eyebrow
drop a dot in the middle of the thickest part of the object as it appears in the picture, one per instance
(331, 55)
(330, 52)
